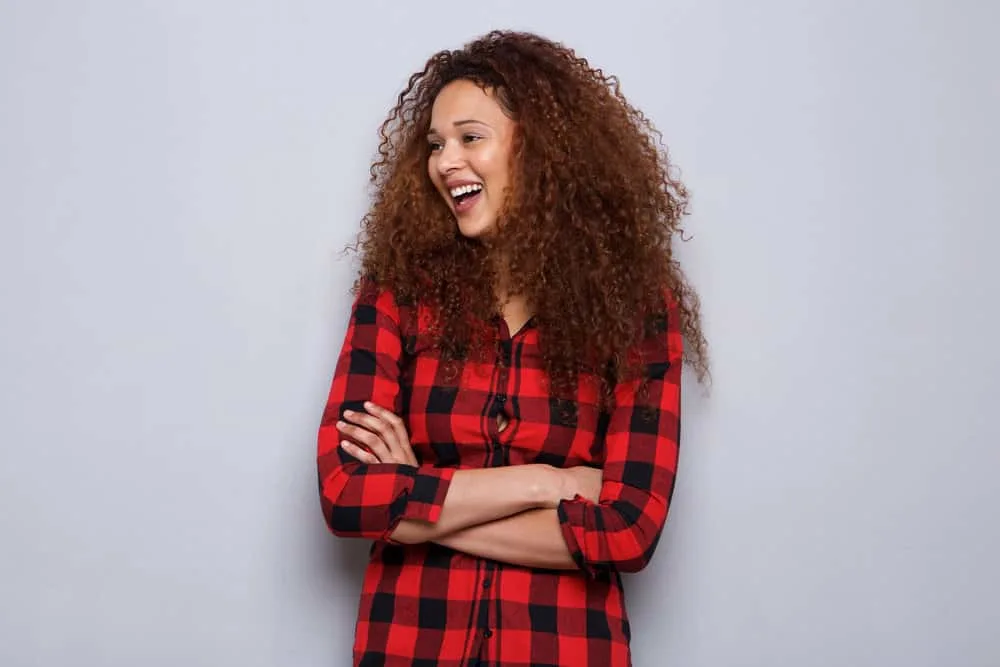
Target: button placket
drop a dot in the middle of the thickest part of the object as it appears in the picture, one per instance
(485, 603)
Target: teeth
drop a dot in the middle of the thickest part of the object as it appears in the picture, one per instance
(465, 189)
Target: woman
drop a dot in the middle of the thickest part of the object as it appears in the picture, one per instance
(504, 416)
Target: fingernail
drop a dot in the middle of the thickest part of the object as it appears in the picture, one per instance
(341, 424)
(369, 405)
(348, 413)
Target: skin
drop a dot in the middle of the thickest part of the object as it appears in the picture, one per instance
(506, 514)
(471, 139)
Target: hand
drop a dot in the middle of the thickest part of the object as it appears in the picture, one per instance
(381, 432)
(579, 480)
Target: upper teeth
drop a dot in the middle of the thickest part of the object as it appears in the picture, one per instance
(465, 189)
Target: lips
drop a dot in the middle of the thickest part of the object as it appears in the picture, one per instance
(465, 202)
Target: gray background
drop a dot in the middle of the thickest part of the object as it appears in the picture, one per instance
(177, 180)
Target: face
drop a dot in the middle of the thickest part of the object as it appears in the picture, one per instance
(470, 139)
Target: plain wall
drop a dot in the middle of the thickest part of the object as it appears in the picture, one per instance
(177, 180)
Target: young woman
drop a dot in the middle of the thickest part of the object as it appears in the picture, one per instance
(504, 417)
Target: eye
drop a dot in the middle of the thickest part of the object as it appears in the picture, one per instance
(435, 145)
(469, 138)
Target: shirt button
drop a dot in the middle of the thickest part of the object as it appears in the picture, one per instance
(487, 633)
(486, 583)
(501, 398)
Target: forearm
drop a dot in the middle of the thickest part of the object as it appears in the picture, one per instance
(481, 496)
(531, 539)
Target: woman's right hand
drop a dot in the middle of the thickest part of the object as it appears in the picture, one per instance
(581, 481)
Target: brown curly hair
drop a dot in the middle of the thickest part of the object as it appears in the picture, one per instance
(585, 231)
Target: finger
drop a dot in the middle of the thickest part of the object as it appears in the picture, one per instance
(365, 437)
(358, 453)
(382, 423)
(398, 427)
(376, 425)
(390, 418)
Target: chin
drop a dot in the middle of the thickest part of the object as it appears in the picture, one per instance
(475, 229)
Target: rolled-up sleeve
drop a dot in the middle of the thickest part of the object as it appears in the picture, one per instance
(621, 531)
(360, 500)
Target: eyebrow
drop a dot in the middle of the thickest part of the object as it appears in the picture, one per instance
(459, 123)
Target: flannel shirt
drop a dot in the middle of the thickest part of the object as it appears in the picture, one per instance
(427, 605)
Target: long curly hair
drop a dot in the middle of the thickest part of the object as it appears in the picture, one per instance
(585, 232)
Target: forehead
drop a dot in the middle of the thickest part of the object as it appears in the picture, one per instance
(465, 100)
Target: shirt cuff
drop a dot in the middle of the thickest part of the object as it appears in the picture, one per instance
(574, 519)
(423, 501)
(426, 496)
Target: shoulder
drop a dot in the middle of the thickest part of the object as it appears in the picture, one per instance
(662, 329)
(663, 315)
(379, 303)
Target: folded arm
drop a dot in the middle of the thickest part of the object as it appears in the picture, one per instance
(517, 514)
(482, 496)
(622, 529)
(531, 539)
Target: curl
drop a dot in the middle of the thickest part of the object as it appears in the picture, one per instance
(586, 231)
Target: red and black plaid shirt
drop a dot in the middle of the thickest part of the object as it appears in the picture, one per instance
(428, 605)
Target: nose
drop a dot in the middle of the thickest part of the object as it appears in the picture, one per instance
(450, 157)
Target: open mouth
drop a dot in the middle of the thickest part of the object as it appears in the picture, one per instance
(466, 196)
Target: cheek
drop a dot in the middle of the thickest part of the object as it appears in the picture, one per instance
(499, 164)
(490, 167)
(435, 179)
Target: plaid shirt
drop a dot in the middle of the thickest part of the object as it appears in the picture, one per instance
(426, 604)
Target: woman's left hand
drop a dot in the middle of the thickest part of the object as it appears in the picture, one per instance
(381, 431)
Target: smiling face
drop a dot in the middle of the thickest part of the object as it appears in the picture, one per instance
(471, 140)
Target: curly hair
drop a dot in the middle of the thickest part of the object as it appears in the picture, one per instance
(585, 230)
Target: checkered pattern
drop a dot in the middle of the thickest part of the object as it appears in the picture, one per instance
(427, 605)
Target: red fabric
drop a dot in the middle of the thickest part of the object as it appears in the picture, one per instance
(424, 605)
